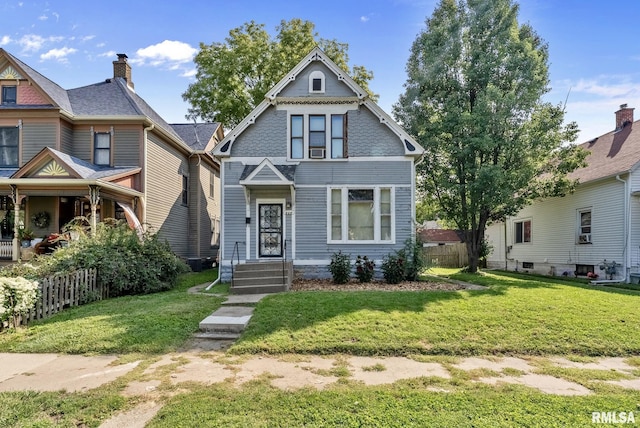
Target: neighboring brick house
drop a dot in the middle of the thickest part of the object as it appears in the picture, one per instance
(101, 151)
(316, 168)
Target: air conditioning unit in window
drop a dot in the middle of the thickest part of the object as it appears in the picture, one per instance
(316, 153)
(584, 238)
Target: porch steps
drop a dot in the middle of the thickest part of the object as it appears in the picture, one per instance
(262, 277)
(227, 319)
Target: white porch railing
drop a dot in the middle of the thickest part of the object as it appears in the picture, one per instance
(6, 249)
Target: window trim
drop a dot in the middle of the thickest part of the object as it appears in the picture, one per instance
(102, 149)
(15, 94)
(184, 194)
(314, 75)
(305, 116)
(580, 229)
(344, 215)
(515, 230)
(16, 147)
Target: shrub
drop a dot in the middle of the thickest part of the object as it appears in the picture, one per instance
(364, 269)
(126, 263)
(340, 267)
(393, 268)
(415, 263)
(17, 296)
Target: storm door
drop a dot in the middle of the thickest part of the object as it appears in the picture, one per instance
(270, 233)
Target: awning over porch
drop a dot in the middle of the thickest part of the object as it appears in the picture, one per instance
(266, 174)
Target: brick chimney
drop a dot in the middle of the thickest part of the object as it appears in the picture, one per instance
(121, 68)
(624, 117)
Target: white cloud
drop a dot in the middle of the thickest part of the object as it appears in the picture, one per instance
(621, 87)
(108, 54)
(5, 40)
(170, 53)
(31, 42)
(34, 42)
(364, 18)
(189, 73)
(87, 38)
(57, 16)
(43, 17)
(59, 55)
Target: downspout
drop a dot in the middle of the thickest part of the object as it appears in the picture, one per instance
(217, 280)
(627, 228)
(146, 173)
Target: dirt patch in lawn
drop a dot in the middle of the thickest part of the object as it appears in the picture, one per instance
(355, 285)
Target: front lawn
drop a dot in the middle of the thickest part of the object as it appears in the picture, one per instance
(149, 323)
(518, 314)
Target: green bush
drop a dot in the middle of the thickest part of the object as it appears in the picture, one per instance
(393, 268)
(415, 263)
(364, 269)
(17, 296)
(125, 263)
(340, 267)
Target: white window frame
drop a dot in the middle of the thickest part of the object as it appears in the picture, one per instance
(580, 230)
(327, 111)
(317, 74)
(515, 235)
(344, 206)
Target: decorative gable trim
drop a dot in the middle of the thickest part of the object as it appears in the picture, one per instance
(52, 169)
(10, 73)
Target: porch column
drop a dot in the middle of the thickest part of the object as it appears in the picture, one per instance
(17, 201)
(94, 200)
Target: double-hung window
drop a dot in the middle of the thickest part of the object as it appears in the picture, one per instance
(584, 226)
(361, 214)
(9, 140)
(102, 148)
(317, 136)
(522, 231)
(9, 95)
(338, 136)
(185, 190)
(297, 136)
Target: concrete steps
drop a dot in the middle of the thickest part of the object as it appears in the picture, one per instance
(262, 277)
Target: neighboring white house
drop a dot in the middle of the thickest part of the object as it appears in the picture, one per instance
(315, 169)
(590, 229)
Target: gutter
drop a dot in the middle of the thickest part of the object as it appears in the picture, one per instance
(627, 228)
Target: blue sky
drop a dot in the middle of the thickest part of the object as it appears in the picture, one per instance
(594, 49)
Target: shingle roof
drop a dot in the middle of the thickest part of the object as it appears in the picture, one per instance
(439, 235)
(55, 92)
(88, 170)
(616, 152)
(196, 135)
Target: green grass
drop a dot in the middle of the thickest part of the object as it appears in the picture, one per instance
(404, 404)
(149, 324)
(517, 314)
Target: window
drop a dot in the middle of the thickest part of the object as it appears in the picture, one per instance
(215, 232)
(316, 82)
(523, 231)
(338, 135)
(9, 95)
(185, 190)
(9, 138)
(297, 137)
(317, 136)
(102, 148)
(584, 226)
(583, 270)
(361, 215)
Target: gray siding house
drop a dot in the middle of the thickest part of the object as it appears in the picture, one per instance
(101, 151)
(316, 168)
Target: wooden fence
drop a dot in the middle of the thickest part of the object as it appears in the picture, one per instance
(62, 291)
(452, 255)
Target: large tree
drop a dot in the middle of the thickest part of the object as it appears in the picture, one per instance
(473, 99)
(233, 77)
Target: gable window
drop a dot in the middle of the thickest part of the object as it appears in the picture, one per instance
(212, 185)
(317, 136)
(584, 226)
(297, 137)
(185, 190)
(9, 139)
(522, 231)
(102, 148)
(9, 95)
(361, 215)
(316, 82)
(338, 136)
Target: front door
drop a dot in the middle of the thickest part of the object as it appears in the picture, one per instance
(270, 233)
